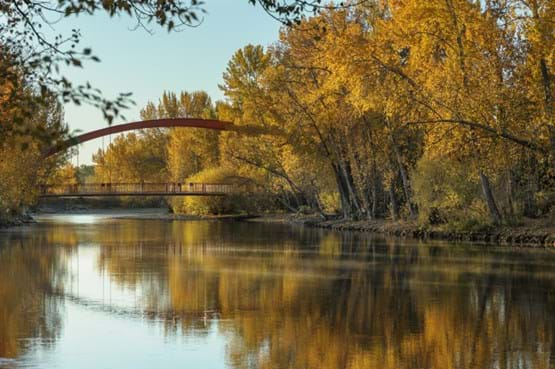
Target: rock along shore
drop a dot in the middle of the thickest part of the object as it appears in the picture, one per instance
(531, 235)
(18, 220)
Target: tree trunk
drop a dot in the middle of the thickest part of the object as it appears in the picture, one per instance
(490, 200)
(510, 194)
(407, 191)
(374, 209)
(367, 202)
(318, 204)
(348, 180)
(346, 206)
(552, 147)
(393, 201)
(405, 180)
(530, 206)
(548, 109)
(287, 200)
(375, 179)
(285, 203)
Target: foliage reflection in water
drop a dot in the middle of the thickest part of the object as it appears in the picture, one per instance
(144, 293)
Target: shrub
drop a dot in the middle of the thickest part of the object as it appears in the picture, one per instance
(205, 205)
(446, 193)
(215, 205)
(330, 201)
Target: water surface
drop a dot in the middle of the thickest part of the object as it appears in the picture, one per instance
(88, 291)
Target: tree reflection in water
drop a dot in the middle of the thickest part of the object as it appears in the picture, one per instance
(30, 271)
(288, 297)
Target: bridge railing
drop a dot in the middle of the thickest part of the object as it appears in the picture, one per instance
(138, 188)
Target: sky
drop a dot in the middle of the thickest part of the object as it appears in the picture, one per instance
(147, 65)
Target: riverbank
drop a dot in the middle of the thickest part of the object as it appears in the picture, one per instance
(531, 232)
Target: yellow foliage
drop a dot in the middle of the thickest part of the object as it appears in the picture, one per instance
(208, 205)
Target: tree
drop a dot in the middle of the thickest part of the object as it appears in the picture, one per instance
(538, 72)
(262, 146)
(22, 169)
(131, 158)
(188, 151)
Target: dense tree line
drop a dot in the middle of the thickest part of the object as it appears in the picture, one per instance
(393, 97)
(439, 110)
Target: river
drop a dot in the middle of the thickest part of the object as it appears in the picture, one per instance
(89, 291)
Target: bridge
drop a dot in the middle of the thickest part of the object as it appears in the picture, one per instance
(211, 124)
(136, 189)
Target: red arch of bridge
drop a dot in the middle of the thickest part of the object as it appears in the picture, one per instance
(157, 123)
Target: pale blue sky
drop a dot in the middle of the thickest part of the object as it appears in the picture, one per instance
(147, 65)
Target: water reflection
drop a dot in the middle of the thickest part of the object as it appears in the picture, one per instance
(269, 296)
(30, 271)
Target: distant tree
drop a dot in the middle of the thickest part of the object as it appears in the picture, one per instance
(131, 158)
(84, 173)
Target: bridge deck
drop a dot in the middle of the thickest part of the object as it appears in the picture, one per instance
(137, 189)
